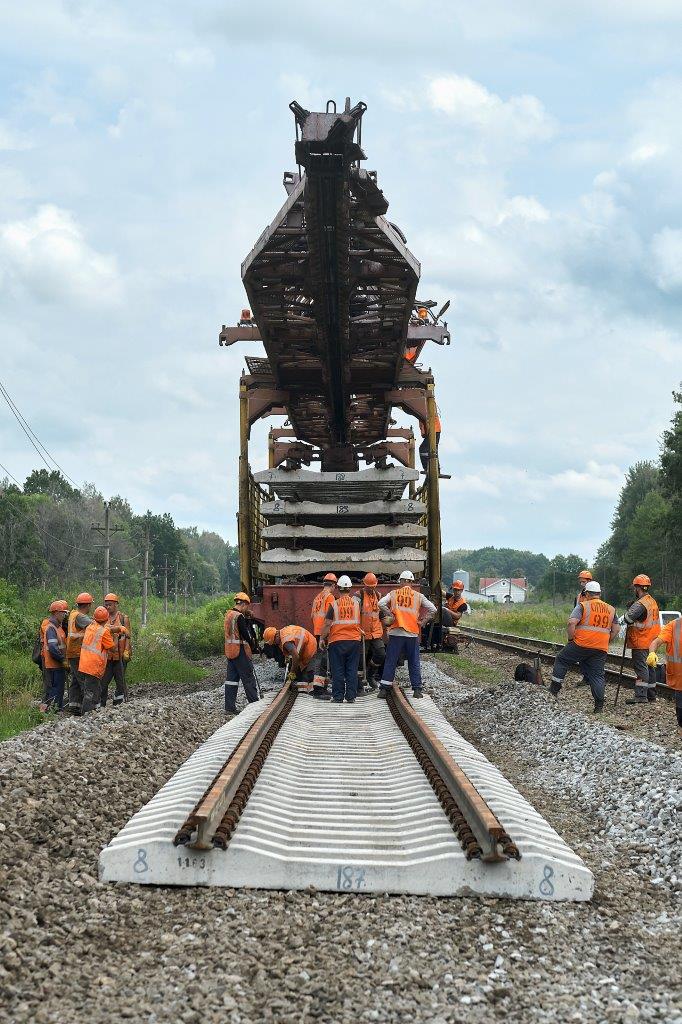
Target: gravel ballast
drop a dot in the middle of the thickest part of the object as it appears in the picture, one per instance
(73, 949)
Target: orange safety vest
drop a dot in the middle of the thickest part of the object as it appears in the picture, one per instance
(369, 615)
(97, 640)
(121, 647)
(74, 636)
(346, 621)
(640, 634)
(405, 604)
(673, 657)
(422, 426)
(582, 597)
(411, 354)
(594, 629)
(454, 603)
(303, 640)
(48, 660)
(320, 609)
(233, 641)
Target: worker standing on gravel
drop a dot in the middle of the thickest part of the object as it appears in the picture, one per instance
(97, 642)
(405, 610)
(591, 627)
(78, 621)
(373, 631)
(118, 656)
(298, 646)
(342, 636)
(239, 647)
(54, 656)
(584, 577)
(321, 603)
(671, 638)
(643, 624)
(455, 603)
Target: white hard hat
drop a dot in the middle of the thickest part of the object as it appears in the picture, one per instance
(592, 587)
(344, 583)
(406, 574)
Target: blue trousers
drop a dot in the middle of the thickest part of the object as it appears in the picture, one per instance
(54, 687)
(344, 658)
(592, 663)
(397, 646)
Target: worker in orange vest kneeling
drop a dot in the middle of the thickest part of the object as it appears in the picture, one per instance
(298, 647)
(92, 661)
(671, 638)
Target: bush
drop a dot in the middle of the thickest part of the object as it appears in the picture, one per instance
(155, 660)
(201, 634)
(18, 629)
(542, 622)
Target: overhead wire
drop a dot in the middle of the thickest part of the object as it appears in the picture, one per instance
(32, 436)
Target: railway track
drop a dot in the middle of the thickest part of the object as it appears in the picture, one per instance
(379, 796)
(531, 647)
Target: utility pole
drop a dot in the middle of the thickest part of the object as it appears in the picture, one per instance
(185, 593)
(165, 586)
(177, 570)
(145, 579)
(105, 531)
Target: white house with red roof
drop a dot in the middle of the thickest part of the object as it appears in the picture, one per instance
(504, 590)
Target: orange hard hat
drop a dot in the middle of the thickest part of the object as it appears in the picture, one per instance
(370, 580)
(269, 634)
(84, 598)
(585, 575)
(100, 614)
(59, 606)
(111, 597)
(241, 596)
(641, 581)
(329, 578)
(458, 585)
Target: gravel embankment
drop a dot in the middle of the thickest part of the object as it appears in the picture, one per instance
(74, 950)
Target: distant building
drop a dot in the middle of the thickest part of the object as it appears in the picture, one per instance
(504, 591)
(463, 576)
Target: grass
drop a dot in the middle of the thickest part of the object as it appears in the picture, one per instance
(14, 720)
(472, 669)
(542, 621)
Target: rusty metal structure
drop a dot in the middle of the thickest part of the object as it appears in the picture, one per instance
(332, 288)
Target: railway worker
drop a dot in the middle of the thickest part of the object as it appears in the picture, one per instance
(96, 644)
(342, 636)
(455, 603)
(118, 656)
(643, 625)
(405, 611)
(424, 446)
(298, 645)
(239, 647)
(53, 652)
(372, 629)
(78, 621)
(584, 577)
(671, 638)
(591, 627)
(321, 603)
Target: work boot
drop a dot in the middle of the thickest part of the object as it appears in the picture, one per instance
(418, 693)
(337, 700)
(640, 696)
(554, 688)
(321, 694)
(350, 700)
(651, 695)
(598, 707)
(383, 692)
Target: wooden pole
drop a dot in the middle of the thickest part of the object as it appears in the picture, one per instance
(244, 516)
(145, 579)
(434, 534)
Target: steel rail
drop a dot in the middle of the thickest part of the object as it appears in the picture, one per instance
(479, 830)
(217, 812)
(547, 651)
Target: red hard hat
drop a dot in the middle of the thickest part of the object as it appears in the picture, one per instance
(458, 585)
(59, 606)
(329, 578)
(641, 581)
(370, 580)
(269, 634)
(100, 614)
(84, 598)
(111, 597)
(585, 575)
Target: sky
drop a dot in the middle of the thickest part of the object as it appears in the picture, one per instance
(530, 152)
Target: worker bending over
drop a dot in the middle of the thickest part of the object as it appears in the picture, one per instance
(591, 627)
(372, 629)
(97, 642)
(643, 626)
(671, 638)
(78, 621)
(53, 652)
(119, 655)
(405, 610)
(342, 636)
(455, 603)
(240, 643)
(298, 646)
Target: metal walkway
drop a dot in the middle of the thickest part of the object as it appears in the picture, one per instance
(342, 804)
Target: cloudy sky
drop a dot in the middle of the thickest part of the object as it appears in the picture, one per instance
(530, 156)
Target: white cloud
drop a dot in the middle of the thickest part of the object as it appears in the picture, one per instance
(48, 255)
(194, 58)
(10, 140)
(471, 105)
(666, 252)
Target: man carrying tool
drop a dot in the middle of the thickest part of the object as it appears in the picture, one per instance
(405, 610)
(298, 646)
(343, 634)
(643, 626)
(671, 638)
(240, 643)
(119, 655)
(78, 621)
(55, 662)
(96, 643)
(591, 627)
(455, 603)
(373, 631)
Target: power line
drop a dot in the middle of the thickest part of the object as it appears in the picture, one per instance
(32, 437)
(7, 472)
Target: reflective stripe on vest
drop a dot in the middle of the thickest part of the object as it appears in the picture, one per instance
(594, 629)
(74, 635)
(48, 660)
(305, 643)
(319, 610)
(233, 641)
(673, 658)
(93, 658)
(642, 633)
(405, 604)
(370, 621)
(346, 621)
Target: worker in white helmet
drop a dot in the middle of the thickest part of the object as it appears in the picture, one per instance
(342, 637)
(405, 611)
